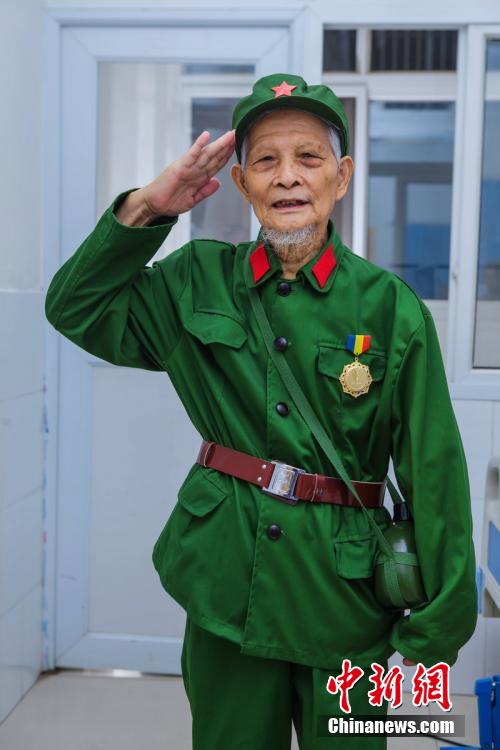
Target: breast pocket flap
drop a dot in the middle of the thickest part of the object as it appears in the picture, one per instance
(332, 360)
(214, 327)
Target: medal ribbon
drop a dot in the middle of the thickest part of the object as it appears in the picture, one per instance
(358, 343)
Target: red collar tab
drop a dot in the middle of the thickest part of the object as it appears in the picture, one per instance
(284, 89)
(324, 266)
(259, 262)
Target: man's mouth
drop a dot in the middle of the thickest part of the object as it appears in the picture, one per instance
(292, 203)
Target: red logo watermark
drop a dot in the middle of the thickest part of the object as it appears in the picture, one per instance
(344, 682)
(430, 684)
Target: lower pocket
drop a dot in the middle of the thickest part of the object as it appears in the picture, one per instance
(185, 548)
(356, 547)
(354, 557)
(202, 490)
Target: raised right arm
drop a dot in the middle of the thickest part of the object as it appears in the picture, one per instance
(107, 301)
(105, 298)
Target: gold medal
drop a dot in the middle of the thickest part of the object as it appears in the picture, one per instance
(356, 378)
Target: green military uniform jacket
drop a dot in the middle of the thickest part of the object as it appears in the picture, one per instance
(306, 596)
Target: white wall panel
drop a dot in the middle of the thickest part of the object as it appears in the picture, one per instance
(21, 477)
(20, 650)
(20, 550)
(475, 421)
(21, 335)
(21, 136)
(21, 447)
(21, 349)
(347, 12)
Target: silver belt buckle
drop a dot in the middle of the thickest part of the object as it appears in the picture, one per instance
(283, 481)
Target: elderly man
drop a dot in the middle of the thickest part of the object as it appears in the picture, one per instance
(278, 585)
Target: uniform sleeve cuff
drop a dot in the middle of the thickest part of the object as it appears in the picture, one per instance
(418, 655)
(163, 222)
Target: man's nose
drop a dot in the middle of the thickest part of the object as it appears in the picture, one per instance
(287, 175)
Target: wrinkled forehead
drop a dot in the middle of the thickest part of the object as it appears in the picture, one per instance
(281, 121)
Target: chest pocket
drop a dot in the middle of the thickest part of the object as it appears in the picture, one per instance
(353, 415)
(332, 359)
(215, 327)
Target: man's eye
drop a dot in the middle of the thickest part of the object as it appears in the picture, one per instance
(265, 158)
(308, 155)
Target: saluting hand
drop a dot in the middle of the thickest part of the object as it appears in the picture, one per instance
(190, 179)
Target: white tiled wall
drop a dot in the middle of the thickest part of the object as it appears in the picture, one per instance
(21, 350)
(21, 476)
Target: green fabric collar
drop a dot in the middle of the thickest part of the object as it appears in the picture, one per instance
(262, 263)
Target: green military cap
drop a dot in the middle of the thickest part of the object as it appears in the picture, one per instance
(284, 90)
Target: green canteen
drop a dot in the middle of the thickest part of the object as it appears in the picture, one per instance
(405, 569)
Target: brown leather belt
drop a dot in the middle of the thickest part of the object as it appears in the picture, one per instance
(286, 482)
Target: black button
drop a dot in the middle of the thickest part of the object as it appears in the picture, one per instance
(284, 288)
(282, 409)
(273, 531)
(280, 343)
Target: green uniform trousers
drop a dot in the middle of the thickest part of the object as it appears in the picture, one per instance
(242, 702)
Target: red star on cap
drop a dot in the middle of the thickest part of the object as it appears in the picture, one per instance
(284, 89)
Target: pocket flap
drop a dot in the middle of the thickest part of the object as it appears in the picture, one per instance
(354, 557)
(333, 358)
(199, 494)
(215, 327)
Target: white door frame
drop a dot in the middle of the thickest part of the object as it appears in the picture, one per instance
(82, 38)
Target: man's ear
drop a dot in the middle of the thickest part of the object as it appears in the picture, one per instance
(344, 176)
(238, 176)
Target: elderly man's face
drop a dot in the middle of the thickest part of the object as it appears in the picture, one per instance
(291, 176)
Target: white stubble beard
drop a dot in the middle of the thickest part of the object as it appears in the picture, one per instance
(291, 245)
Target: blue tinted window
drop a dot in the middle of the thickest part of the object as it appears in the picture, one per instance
(410, 186)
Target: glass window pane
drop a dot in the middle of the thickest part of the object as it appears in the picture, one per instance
(413, 49)
(148, 115)
(492, 56)
(409, 197)
(225, 215)
(339, 50)
(486, 340)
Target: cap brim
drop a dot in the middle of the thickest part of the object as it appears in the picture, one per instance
(293, 102)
